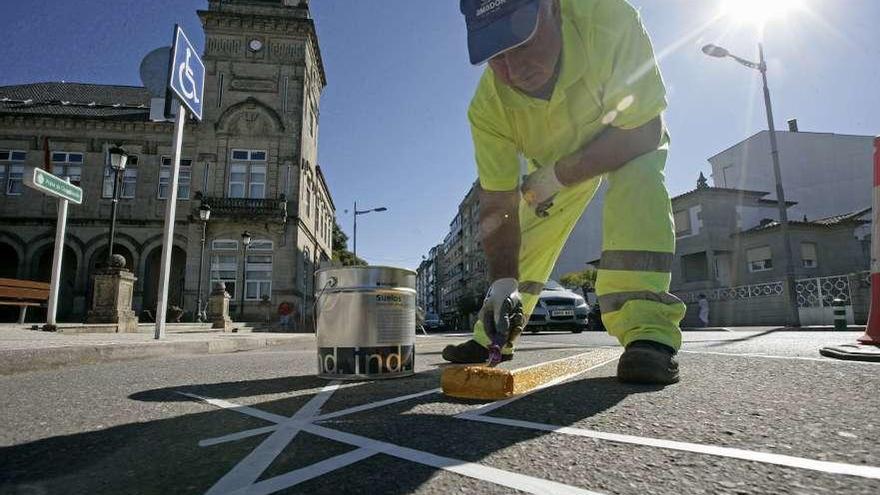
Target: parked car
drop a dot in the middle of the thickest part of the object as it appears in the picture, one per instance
(433, 322)
(559, 309)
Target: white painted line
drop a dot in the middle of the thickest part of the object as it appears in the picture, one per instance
(250, 411)
(344, 412)
(769, 356)
(301, 475)
(503, 402)
(234, 437)
(249, 469)
(374, 405)
(509, 479)
(733, 453)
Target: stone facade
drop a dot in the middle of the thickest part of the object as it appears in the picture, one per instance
(729, 246)
(464, 277)
(253, 159)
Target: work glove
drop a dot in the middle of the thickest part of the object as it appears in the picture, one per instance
(540, 188)
(502, 316)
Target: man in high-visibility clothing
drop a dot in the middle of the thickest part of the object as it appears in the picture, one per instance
(573, 88)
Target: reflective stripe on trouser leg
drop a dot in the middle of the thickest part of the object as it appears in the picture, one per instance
(542, 240)
(638, 241)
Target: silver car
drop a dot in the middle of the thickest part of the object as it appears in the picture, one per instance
(558, 309)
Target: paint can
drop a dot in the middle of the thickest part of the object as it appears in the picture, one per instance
(366, 319)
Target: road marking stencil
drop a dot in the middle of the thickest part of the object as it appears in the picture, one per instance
(242, 479)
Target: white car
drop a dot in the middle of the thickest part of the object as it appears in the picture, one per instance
(558, 309)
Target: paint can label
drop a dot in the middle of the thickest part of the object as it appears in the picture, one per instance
(366, 361)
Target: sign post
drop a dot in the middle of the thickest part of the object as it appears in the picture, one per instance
(186, 81)
(62, 189)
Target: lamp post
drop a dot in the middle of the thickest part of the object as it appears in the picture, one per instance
(204, 216)
(118, 160)
(361, 212)
(793, 318)
(245, 242)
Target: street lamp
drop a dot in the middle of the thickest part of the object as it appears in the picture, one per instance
(118, 160)
(204, 216)
(761, 66)
(361, 212)
(245, 241)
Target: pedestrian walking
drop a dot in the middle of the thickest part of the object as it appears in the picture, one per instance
(704, 310)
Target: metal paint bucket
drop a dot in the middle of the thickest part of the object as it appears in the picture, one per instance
(366, 322)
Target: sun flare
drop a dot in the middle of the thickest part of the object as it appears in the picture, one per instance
(759, 11)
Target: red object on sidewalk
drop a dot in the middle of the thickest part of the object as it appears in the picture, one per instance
(872, 331)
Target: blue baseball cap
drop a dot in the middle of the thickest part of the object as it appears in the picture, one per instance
(495, 26)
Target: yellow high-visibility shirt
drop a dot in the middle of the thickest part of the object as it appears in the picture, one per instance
(608, 77)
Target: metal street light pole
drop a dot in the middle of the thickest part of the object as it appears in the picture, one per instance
(118, 160)
(793, 317)
(361, 212)
(204, 216)
(245, 241)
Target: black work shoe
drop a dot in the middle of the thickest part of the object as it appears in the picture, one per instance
(469, 352)
(648, 362)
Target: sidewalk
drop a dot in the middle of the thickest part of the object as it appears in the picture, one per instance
(23, 349)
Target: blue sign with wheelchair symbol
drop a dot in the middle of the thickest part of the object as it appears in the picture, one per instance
(187, 74)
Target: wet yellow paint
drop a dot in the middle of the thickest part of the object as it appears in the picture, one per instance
(484, 383)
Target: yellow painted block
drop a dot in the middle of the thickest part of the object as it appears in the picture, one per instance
(484, 383)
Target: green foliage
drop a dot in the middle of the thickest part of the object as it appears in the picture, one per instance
(584, 279)
(340, 249)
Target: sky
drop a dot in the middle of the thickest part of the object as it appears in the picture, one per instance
(394, 131)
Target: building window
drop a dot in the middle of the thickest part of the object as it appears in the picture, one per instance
(308, 195)
(68, 165)
(184, 178)
(808, 255)
(682, 223)
(695, 267)
(258, 282)
(12, 171)
(224, 264)
(247, 174)
(129, 180)
(760, 259)
(304, 273)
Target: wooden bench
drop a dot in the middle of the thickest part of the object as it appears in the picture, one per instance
(23, 293)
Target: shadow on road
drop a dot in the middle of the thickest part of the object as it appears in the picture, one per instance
(723, 342)
(163, 456)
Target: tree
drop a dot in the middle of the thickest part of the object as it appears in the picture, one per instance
(585, 279)
(340, 249)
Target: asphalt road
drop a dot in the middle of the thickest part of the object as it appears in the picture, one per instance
(756, 412)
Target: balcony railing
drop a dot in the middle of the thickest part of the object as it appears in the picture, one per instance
(275, 209)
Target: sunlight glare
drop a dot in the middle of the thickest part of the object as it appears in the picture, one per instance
(759, 11)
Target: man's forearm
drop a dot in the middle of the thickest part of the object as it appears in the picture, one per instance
(612, 149)
(500, 233)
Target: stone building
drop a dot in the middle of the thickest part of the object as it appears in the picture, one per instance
(729, 247)
(461, 264)
(253, 159)
(428, 281)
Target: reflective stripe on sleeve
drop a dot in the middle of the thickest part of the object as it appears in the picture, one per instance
(636, 261)
(614, 302)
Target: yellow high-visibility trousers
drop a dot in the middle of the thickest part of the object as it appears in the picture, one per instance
(638, 242)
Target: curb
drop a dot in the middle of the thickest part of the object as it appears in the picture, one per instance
(24, 360)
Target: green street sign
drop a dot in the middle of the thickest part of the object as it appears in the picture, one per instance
(53, 185)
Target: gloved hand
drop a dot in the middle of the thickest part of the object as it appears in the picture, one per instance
(502, 315)
(539, 188)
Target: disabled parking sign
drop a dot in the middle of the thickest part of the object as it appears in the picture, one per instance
(187, 75)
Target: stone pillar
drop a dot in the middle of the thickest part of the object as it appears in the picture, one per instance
(218, 307)
(112, 292)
